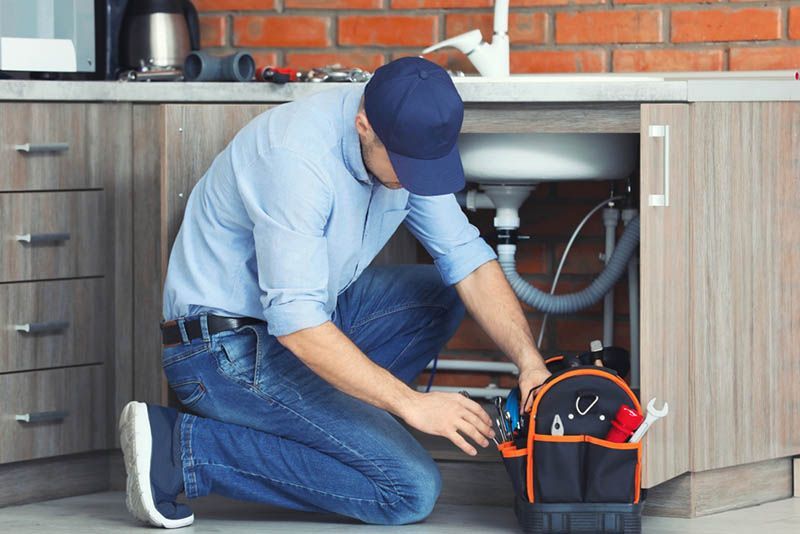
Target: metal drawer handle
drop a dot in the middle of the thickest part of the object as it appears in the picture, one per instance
(661, 130)
(33, 148)
(40, 417)
(36, 239)
(42, 328)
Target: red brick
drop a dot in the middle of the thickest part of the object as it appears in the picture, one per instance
(670, 1)
(264, 59)
(234, 5)
(667, 60)
(428, 4)
(213, 31)
(391, 30)
(726, 25)
(528, 3)
(584, 256)
(532, 258)
(470, 336)
(559, 220)
(639, 26)
(763, 58)
(289, 31)
(575, 334)
(333, 4)
(794, 23)
(307, 60)
(532, 61)
(523, 28)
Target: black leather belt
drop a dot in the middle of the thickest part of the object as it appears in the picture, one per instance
(171, 333)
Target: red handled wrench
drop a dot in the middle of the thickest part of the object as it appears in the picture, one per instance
(653, 415)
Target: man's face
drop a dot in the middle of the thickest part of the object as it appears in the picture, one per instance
(374, 154)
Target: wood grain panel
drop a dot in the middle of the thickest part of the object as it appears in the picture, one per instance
(116, 166)
(77, 474)
(745, 307)
(80, 391)
(664, 289)
(81, 302)
(79, 213)
(553, 118)
(87, 128)
(147, 279)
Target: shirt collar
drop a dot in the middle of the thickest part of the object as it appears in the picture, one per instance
(351, 144)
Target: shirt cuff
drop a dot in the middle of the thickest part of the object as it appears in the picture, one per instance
(285, 319)
(462, 260)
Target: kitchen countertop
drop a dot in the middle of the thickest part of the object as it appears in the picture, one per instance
(606, 87)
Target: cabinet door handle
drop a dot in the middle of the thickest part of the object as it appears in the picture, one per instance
(42, 328)
(34, 148)
(37, 239)
(661, 130)
(40, 417)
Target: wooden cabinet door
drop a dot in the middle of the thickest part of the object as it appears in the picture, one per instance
(665, 295)
(745, 282)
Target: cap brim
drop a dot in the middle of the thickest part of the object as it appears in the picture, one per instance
(429, 177)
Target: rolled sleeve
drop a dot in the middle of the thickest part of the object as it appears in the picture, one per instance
(289, 207)
(455, 245)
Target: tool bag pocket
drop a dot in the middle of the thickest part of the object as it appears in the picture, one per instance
(516, 463)
(558, 465)
(612, 471)
(576, 465)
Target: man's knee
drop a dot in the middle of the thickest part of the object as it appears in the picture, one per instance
(414, 495)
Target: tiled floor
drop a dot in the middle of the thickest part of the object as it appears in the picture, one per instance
(105, 512)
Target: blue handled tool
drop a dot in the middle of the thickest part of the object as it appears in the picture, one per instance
(512, 408)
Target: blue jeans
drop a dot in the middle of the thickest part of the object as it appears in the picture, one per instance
(264, 427)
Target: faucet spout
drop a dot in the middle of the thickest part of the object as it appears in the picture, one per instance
(500, 16)
(489, 59)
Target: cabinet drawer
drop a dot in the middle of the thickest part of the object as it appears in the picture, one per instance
(75, 394)
(66, 320)
(51, 235)
(52, 146)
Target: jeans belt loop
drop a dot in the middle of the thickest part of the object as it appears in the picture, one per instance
(182, 328)
(204, 327)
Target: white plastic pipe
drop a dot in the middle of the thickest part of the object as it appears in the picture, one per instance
(610, 221)
(472, 365)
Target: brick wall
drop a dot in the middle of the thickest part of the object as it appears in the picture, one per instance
(546, 35)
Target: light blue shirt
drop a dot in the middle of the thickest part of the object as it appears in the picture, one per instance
(287, 217)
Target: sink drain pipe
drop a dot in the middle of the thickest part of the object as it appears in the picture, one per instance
(573, 302)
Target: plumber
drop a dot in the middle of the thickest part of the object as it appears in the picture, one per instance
(293, 359)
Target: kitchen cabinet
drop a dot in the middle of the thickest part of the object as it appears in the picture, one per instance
(720, 266)
(664, 266)
(66, 290)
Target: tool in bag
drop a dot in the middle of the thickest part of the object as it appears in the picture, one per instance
(566, 475)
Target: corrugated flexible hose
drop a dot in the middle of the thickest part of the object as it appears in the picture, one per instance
(570, 303)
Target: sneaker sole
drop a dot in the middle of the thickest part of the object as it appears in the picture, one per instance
(137, 446)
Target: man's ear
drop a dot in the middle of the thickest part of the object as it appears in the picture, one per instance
(362, 124)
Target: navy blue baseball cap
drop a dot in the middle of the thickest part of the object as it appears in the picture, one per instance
(416, 112)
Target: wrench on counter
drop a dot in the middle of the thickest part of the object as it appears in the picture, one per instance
(653, 415)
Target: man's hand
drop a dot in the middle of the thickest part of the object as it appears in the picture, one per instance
(447, 414)
(530, 378)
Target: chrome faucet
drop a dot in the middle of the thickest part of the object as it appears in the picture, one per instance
(491, 59)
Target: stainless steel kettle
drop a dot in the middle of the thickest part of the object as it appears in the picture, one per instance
(158, 33)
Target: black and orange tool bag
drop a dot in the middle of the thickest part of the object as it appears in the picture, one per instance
(566, 476)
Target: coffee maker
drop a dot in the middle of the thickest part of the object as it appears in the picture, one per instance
(150, 36)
